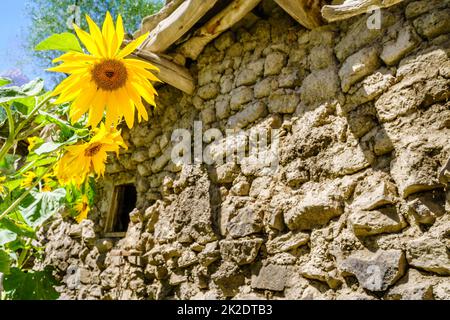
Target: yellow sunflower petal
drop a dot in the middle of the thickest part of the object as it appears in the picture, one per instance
(96, 108)
(120, 31)
(108, 32)
(131, 46)
(87, 40)
(97, 37)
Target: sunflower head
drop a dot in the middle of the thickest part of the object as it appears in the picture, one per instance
(105, 79)
(2, 187)
(82, 159)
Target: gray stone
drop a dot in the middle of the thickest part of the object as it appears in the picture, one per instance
(242, 251)
(357, 66)
(248, 220)
(384, 220)
(271, 277)
(433, 24)
(223, 107)
(312, 210)
(249, 114)
(226, 83)
(264, 87)
(275, 61)
(394, 50)
(320, 86)
(375, 272)
(413, 286)
(208, 91)
(240, 96)
(250, 74)
(283, 101)
(286, 242)
(429, 254)
(375, 196)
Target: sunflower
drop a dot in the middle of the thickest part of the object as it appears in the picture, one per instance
(29, 179)
(48, 182)
(32, 142)
(83, 159)
(105, 79)
(82, 208)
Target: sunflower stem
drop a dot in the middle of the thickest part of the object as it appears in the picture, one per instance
(10, 140)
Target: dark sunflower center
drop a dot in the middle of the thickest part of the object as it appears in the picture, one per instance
(92, 150)
(109, 74)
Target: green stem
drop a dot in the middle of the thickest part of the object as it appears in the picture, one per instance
(23, 258)
(23, 195)
(10, 140)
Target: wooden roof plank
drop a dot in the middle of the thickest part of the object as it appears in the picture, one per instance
(308, 15)
(234, 12)
(351, 8)
(177, 24)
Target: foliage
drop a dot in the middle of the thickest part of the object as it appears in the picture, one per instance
(37, 145)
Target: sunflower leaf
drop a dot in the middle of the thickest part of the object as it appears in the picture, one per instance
(43, 207)
(60, 41)
(5, 262)
(31, 285)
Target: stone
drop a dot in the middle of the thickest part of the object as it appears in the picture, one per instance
(321, 57)
(242, 251)
(375, 196)
(187, 259)
(228, 278)
(286, 242)
(240, 96)
(226, 172)
(139, 155)
(357, 66)
(249, 114)
(250, 74)
(290, 78)
(274, 62)
(375, 272)
(429, 254)
(427, 207)
(208, 115)
(208, 75)
(160, 162)
(312, 210)
(320, 86)
(270, 277)
(383, 220)
(394, 50)
(417, 8)
(240, 188)
(222, 107)
(225, 41)
(209, 254)
(359, 36)
(208, 91)
(413, 286)
(433, 24)
(310, 271)
(413, 170)
(283, 101)
(248, 220)
(369, 89)
(265, 87)
(226, 84)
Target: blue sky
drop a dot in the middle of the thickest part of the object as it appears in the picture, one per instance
(13, 23)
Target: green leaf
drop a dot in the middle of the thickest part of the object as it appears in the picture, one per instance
(30, 89)
(6, 236)
(31, 285)
(45, 205)
(19, 228)
(50, 146)
(61, 41)
(5, 262)
(4, 81)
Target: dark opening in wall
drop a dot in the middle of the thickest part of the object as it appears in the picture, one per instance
(123, 202)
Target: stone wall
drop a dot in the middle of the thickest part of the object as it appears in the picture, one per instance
(358, 208)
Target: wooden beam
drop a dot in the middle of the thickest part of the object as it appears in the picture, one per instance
(150, 22)
(234, 12)
(169, 72)
(306, 14)
(351, 8)
(177, 24)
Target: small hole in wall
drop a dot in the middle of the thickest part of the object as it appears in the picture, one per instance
(125, 197)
